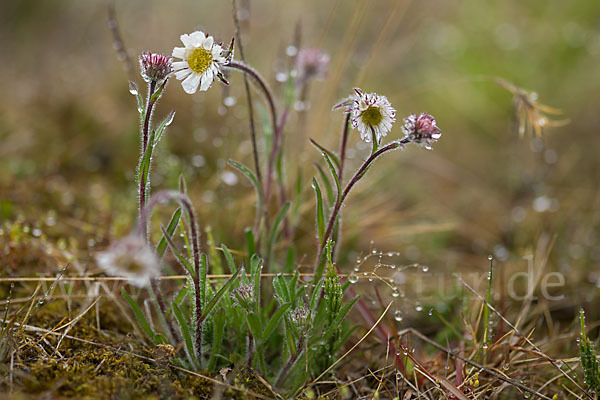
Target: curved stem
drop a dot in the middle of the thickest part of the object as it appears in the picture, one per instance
(338, 204)
(240, 46)
(184, 200)
(343, 145)
(268, 94)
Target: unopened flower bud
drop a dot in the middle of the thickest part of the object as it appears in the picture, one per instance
(155, 67)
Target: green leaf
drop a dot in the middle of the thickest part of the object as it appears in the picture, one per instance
(280, 216)
(229, 258)
(180, 257)
(256, 274)
(334, 174)
(337, 321)
(333, 157)
(250, 243)
(157, 93)
(218, 333)
(217, 266)
(187, 337)
(162, 245)
(250, 175)
(314, 300)
(274, 321)
(320, 214)
(161, 127)
(281, 288)
(141, 318)
(254, 325)
(133, 89)
(203, 281)
(327, 183)
(213, 302)
(144, 167)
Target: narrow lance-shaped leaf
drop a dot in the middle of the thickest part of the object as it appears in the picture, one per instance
(228, 258)
(203, 281)
(280, 216)
(218, 333)
(161, 127)
(144, 167)
(250, 243)
(215, 299)
(334, 174)
(319, 214)
(187, 337)
(133, 89)
(331, 155)
(158, 92)
(162, 245)
(314, 300)
(250, 175)
(216, 265)
(327, 184)
(335, 325)
(180, 257)
(141, 318)
(274, 321)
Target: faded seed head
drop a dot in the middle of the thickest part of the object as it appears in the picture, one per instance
(132, 258)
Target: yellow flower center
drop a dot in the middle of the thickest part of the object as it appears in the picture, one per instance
(199, 60)
(372, 116)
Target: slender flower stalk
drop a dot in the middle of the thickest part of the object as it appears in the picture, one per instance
(155, 70)
(240, 46)
(276, 123)
(340, 199)
(172, 195)
(342, 152)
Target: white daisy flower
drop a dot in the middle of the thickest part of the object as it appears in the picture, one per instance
(131, 258)
(371, 114)
(201, 61)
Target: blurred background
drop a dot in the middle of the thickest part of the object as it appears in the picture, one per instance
(69, 129)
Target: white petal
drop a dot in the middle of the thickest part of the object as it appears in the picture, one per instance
(208, 42)
(207, 79)
(197, 38)
(186, 40)
(177, 65)
(190, 84)
(179, 52)
(182, 74)
(216, 51)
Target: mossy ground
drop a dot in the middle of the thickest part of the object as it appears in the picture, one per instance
(107, 364)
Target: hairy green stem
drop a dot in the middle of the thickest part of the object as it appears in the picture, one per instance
(172, 195)
(318, 268)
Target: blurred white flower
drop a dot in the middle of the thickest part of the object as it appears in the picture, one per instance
(201, 61)
(131, 258)
(371, 114)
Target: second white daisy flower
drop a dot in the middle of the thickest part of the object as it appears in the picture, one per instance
(201, 61)
(370, 113)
